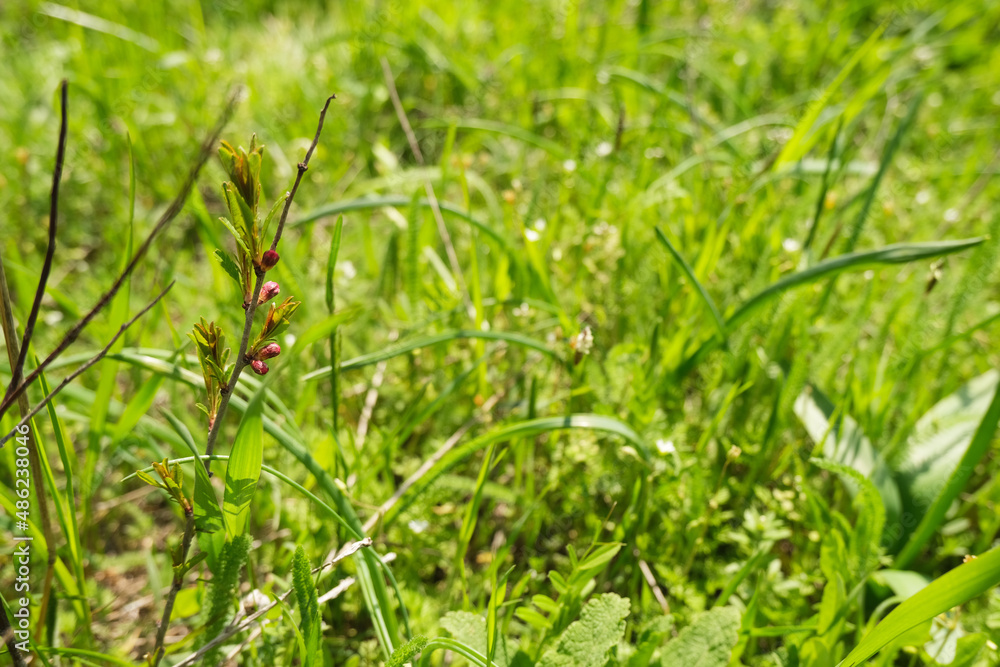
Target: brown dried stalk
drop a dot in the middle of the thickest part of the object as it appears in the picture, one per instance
(206, 150)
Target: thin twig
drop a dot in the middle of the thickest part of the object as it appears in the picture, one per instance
(372, 397)
(93, 360)
(50, 250)
(241, 360)
(303, 166)
(411, 138)
(348, 550)
(175, 588)
(207, 149)
(647, 574)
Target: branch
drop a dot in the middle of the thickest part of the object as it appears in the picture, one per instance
(93, 360)
(241, 360)
(303, 166)
(50, 251)
(175, 587)
(206, 150)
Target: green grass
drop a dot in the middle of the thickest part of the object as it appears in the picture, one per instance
(777, 220)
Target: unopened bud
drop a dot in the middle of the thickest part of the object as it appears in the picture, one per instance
(259, 367)
(268, 292)
(268, 260)
(268, 351)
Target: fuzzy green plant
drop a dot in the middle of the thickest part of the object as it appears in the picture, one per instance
(305, 595)
(222, 591)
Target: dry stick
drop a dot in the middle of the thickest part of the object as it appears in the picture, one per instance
(372, 397)
(19, 356)
(207, 148)
(428, 189)
(303, 166)
(9, 333)
(348, 550)
(50, 251)
(241, 361)
(647, 574)
(93, 360)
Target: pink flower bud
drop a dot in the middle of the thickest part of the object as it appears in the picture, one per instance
(268, 292)
(268, 260)
(259, 367)
(268, 351)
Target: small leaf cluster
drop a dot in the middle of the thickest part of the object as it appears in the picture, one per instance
(276, 322)
(172, 482)
(213, 355)
(242, 196)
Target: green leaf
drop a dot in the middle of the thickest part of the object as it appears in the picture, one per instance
(941, 438)
(229, 266)
(867, 536)
(844, 443)
(428, 341)
(533, 618)
(243, 471)
(470, 629)
(587, 641)
(277, 206)
(207, 515)
(236, 235)
(899, 253)
(797, 145)
(957, 481)
(708, 642)
(957, 587)
(689, 272)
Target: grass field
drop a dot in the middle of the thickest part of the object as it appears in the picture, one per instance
(631, 333)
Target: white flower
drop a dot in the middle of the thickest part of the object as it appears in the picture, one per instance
(604, 148)
(665, 446)
(583, 342)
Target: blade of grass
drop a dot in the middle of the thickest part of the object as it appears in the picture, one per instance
(796, 146)
(899, 253)
(720, 326)
(958, 586)
(934, 516)
(428, 341)
(367, 203)
(510, 432)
